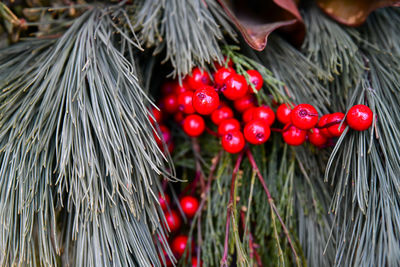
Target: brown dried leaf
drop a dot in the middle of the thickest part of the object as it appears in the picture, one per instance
(256, 19)
(353, 12)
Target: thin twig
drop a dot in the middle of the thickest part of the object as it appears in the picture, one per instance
(252, 245)
(229, 209)
(272, 204)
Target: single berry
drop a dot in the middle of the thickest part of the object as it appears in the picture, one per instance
(359, 117)
(283, 113)
(221, 75)
(195, 262)
(157, 115)
(228, 125)
(316, 137)
(247, 116)
(321, 125)
(189, 205)
(264, 113)
(228, 64)
(336, 127)
(304, 116)
(236, 87)
(180, 89)
(294, 136)
(233, 141)
(164, 201)
(185, 102)
(173, 220)
(179, 245)
(194, 125)
(205, 100)
(198, 79)
(256, 79)
(257, 132)
(220, 114)
(165, 135)
(170, 103)
(244, 103)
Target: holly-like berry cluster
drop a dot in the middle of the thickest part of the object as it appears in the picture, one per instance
(189, 206)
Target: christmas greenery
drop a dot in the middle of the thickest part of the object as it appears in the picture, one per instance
(81, 171)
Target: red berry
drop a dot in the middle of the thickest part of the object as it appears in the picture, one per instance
(194, 125)
(248, 115)
(233, 141)
(220, 114)
(360, 117)
(179, 245)
(179, 117)
(256, 79)
(244, 103)
(170, 103)
(195, 262)
(189, 205)
(180, 89)
(168, 87)
(205, 100)
(221, 75)
(264, 113)
(321, 125)
(257, 132)
(236, 87)
(198, 79)
(185, 102)
(283, 113)
(336, 129)
(304, 116)
(316, 137)
(294, 136)
(156, 114)
(228, 125)
(173, 220)
(224, 63)
(165, 135)
(164, 201)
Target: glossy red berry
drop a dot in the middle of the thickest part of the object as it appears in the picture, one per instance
(247, 116)
(316, 137)
(294, 136)
(337, 128)
(180, 89)
(228, 125)
(189, 205)
(256, 79)
(170, 103)
(264, 113)
(221, 114)
(205, 100)
(228, 64)
(236, 87)
(244, 103)
(304, 116)
(157, 115)
(198, 79)
(173, 220)
(165, 135)
(360, 117)
(257, 132)
(221, 75)
(321, 125)
(164, 201)
(195, 262)
(233, 142)
(194, 125)
(283, 113)
(179, 245)
(185, 102)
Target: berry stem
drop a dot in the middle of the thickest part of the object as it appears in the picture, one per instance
(252, 245)
(229, 208)
(329, 124)
(272, 204)
(208, 130)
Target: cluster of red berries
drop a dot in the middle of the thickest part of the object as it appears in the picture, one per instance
(302, 123)
(189, 205)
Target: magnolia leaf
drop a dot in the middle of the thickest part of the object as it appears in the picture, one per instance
(257, 19)
(353, 13)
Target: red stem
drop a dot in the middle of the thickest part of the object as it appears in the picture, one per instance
(271, 203)
(208, 130)
(229, 208)
(329, 124)
(253, 251)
